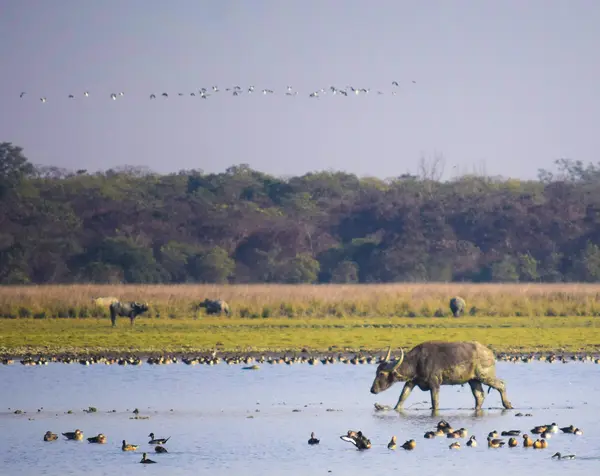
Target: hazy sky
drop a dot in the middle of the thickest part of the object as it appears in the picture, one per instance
(510, 85)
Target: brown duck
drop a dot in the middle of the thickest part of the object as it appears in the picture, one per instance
(49, 436)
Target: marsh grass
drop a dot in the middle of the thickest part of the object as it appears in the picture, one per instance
(507, 317)
(264, 301)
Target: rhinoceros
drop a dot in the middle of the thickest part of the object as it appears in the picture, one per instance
(432, 364)
(126, 309)
(215, 306)
(457, 306)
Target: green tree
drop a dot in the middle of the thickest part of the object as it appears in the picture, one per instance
(303, 268)
(212, 266)
(345, 272)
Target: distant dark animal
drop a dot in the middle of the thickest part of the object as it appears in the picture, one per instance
(432, 364)
(215, 306)
(126, 309)
(312, 440)
(457, 306)
(160, 449)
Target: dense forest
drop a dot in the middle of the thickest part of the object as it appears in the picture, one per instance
(130, 225)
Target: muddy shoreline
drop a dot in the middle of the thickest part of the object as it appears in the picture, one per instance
(205, 356)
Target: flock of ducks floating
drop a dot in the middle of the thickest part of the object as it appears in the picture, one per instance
(444, 429)
(77, 435)
(205, 93)
(232, 359)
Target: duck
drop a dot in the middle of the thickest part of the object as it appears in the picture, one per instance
(552, 428)
(493, 434)
(439, 432)
(454, 434)
(157, 441)
(444, 425)
(429, 435)
(74, 435)
(455, 446)
(568, 429)
(128, 447)
(392, 444)
(559, 456)
(540, 444)
(546, 435)
(495, 443)
(357, 439)
(512, 442)
(462, 432)
(313, 440)
(538, 430)
(511, 433)
(409, 445)
(100, 438)
(49, 436)
(146, 460)
(160, 449)
(527, 441)
(472, 442)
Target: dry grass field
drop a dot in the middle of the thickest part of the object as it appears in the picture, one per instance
(507, 317)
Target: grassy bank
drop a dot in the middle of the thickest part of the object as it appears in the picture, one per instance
(80, 336)
(522, 318)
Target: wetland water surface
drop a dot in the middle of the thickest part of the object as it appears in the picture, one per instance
(206, 410)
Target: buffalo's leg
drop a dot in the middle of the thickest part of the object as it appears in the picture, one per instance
(113, 319)
(435, 397)
(478, 393)
(408, 386)
(131, 319)
(499, 385)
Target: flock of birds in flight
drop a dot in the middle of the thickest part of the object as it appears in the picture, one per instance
(205, 93)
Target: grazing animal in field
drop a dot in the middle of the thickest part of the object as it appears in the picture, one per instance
(126, 309)
(104, 301)
(457, 306)
(215, 306)
(432, 364)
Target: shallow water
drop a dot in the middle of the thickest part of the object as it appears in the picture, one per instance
(205, 410)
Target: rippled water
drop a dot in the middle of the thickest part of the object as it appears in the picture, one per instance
(206, 410)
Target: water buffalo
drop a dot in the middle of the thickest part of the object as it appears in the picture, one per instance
(215, 306)
(126, 309)
(432, 364)
(457, 306)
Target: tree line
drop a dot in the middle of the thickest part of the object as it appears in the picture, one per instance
(131, 225)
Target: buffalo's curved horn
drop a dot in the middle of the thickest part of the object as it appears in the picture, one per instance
(399, 362)
(389, 354)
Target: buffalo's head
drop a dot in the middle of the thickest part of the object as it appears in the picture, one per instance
(140, 307)
(386, 372)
